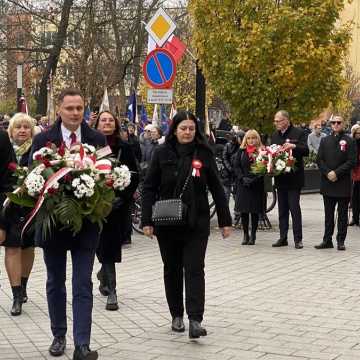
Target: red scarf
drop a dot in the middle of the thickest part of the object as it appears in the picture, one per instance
(251, 149)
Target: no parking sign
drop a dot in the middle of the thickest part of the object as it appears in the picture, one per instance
(159, 69)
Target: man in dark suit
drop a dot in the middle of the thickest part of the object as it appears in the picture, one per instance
(289, 184)
(70, 128)
(336, 158)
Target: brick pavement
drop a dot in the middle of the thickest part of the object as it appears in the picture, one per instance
(262, 303)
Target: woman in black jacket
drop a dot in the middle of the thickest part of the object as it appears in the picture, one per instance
(183, 247)
(250, 187)
(19, 252)
(117, 228)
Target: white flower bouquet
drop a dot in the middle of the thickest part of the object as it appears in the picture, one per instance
(273, 160)
(64, 187)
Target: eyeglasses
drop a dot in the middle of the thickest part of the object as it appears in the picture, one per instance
(336, 122)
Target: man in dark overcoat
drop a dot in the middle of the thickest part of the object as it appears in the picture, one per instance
(336, 158)
(289, 184)
(70, 128)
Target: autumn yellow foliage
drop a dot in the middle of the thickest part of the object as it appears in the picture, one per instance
(266, 55)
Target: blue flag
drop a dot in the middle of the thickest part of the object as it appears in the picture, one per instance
(131, 113)
(164, 120)
(87, 113)
(143, 119)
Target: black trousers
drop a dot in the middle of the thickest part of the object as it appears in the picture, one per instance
(82, 304)
(184, 257)
(342, 206)
(355, 201)
(289, 202)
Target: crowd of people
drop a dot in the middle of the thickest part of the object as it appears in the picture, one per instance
(176, 167)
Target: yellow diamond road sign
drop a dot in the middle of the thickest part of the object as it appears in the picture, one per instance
(160, 27)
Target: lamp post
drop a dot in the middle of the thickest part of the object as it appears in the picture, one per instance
(200, 94)
(19, 85)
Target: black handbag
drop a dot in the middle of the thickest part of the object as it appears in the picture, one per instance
(171, 212)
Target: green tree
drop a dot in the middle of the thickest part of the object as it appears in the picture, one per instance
(265, 55)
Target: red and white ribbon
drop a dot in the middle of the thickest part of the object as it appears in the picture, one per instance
(50, 182)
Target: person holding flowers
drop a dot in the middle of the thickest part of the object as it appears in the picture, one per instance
(289, 183)
(249, 186)
(19, 251)
(68, 130)
(336, 158)
(117, 228)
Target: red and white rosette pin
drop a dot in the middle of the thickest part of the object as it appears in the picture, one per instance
(196, 165)
(343, 145)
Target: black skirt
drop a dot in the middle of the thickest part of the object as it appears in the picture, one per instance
(15, 218)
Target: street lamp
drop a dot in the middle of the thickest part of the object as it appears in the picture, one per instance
(19, 85)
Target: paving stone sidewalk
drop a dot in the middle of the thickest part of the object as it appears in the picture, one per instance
(261, 303)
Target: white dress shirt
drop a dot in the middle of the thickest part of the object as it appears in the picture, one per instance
(66, 135)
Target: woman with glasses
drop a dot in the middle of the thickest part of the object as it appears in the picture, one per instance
(355, 197)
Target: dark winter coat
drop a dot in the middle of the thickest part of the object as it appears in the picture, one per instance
(295, 179)
(227, 175)
(7, 156)
(88, 237)
(249, 187)
(16, 217)
(331, 157)
(117, 224)
(164, 176)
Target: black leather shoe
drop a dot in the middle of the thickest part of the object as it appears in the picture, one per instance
(17, 300)
(58, 346)
(112, 302)
(103, 287)
(196, 330)
(280, 242)
(83, 352)
(324, 245)
(299, 245)
(16, 308)
(177, 324)
(353, 222)
(245, 239)
(341, 247)
(252, 239)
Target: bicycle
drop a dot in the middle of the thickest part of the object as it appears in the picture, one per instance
(136, 212)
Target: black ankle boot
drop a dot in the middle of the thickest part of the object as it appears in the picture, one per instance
(17, 302)
(103, 286)
(196, 330)
(245, 238)
(252, 238)
(24, 281)
(110, 273)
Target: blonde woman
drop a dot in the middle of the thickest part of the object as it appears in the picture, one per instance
(19, 253)
(250, 187)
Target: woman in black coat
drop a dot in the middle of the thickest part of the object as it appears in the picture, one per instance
(116, 228)
(250, 187)
(183, 248)
(19, 251)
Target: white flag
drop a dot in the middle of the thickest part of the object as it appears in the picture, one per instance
(105, 105)
(151, 44)
(155, 118)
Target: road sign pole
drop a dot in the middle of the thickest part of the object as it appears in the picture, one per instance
(200, 94)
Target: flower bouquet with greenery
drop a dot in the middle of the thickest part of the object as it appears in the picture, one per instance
(64, 187)
(273, 160)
